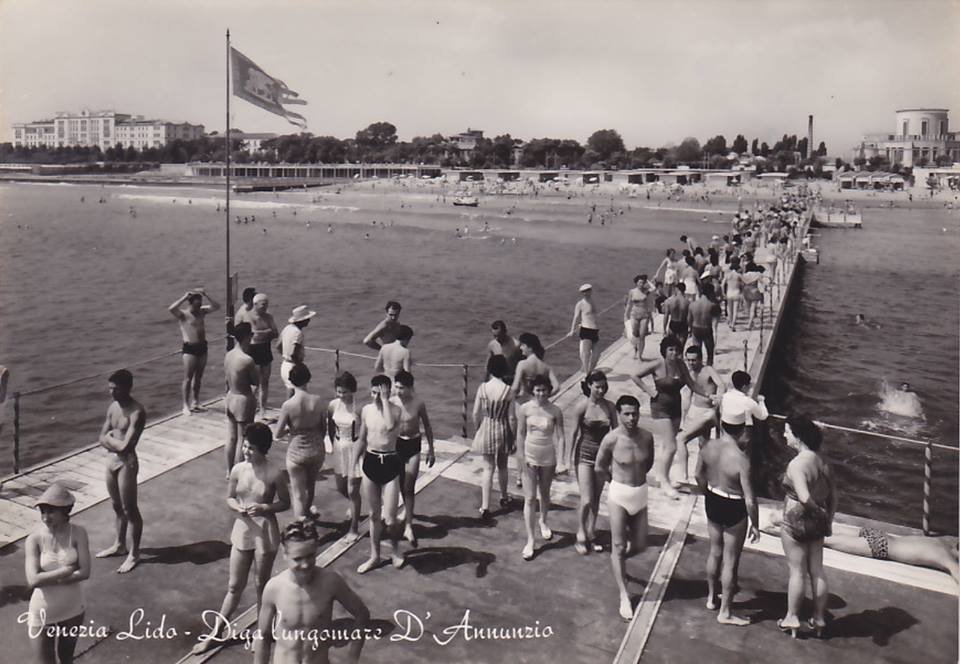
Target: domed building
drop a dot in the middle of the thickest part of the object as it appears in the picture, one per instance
(922, 138)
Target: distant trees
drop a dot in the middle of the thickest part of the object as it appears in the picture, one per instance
(688, 152)
(605, 143)
(716, 145)
(739, 144)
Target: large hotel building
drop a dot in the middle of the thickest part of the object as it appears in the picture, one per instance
(104, 129)
(922, 138)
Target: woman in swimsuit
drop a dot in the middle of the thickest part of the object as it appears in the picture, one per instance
(670, 374)
(57, 560)
(539, 433)
(808, 508)
(638, 313)
(256, 491)
(492, 416)
(303, 418)
(731, 283)
(752, 295)
(529, 368)
(595, 417)
(343, 428)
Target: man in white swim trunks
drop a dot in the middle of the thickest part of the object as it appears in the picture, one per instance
(394, 357)
(701, 415)
(584, 313)
(291, 343)
(242, 376)
(626, 456)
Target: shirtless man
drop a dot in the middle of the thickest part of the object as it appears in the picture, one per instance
(264, 332)
(386, 330)
(638, 313)
(675, 310)
(297, 605)
(704, 319)
(701, 415)
(723, 475)
(504, 344)
(376, 453)
(585, 314)
(413, 414)
(242, 376)
(194, 342)
(394, 357)
(120, 434)
(291, 343)
(626, 456)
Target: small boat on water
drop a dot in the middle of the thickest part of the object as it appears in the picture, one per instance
(848, 217)
(466, 201)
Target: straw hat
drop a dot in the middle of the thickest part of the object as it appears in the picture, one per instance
(57, 496)
(300, 313)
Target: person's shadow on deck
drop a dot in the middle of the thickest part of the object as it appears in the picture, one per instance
(197, 553)
(430, 560)
(878, 624)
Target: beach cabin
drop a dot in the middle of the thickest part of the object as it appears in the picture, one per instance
(681, 177)
(846, 180)
(643, 177)
(591, 178)
(730, 179)
(471, 176)
(777, 178)
(508, 176)
(547, 176)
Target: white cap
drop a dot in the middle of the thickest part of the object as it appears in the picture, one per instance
(584, 288)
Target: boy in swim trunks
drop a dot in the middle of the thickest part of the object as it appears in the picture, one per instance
(242, 376)
(626, 455)
(120, 435)
(675, 310)
(194, 342)
(723, 475)
(413, 414)
(376, 452)
(584, 313)
(264, 332)
(704, 318)
(394, 357)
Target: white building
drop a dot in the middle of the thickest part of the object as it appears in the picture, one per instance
(103, 129)
(922, 137)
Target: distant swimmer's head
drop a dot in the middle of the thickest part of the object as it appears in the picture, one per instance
(404, 334)
(904, 387)
(670, 347)
(259, 437)
(860, 319)
(242, 332)
(530, 344)
(393, 310)
(248, 294)
(120, 383)
(497, 366)
(300, 375)
(741, 380)
(683, 238)
(801, 429)
(345, 384)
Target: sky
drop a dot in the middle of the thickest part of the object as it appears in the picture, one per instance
(657, 72)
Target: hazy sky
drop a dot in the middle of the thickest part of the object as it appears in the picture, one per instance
(655, 71)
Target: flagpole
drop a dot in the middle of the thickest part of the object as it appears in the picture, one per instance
(230, 295)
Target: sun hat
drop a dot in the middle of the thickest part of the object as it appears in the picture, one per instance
(584, 288)
(300, 313)
(259, 297)
(57, 496)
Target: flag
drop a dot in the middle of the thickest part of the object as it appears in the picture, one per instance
(257, 87)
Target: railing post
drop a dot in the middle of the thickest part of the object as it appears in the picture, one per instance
(336, 361)
(16, 432)
(745, 365)
(466, 378)
(927, 469)
(762, 311)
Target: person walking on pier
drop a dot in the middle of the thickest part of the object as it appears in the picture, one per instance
(723, 475)
(808, 508)
(494, 441)
(414, 427)
(626, 455)
(264, 332)
(675, 310)
(256, 491)
(385, 331)
(539, 436)
(701, 415)
(194, 336)
(528, 369)
(241, 376)
(57, 562)
(376, 451)
(343, 429)
(595, 417)
(304, 418)
(638, 313)
(395, 357)
(704, 318)
(120, 434)
(291, 343)
(585, 319)
(731, 285)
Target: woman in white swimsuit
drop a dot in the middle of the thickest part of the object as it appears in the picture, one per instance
(343, 428)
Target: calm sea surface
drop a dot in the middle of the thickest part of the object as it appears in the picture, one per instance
(84, 287)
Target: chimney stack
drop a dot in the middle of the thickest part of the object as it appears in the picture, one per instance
(810, 146)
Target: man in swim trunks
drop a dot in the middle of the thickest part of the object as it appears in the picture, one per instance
(394, 357)
(120, 434)
(264, 332)
(626, 455)
(413, 414)
(194, 342)
(704, 319)
(291, 343)
(584, 313)
(376, 453)
(386, 330)
(504, 344)
(297, 605)
(701, 415)
(242, 376)
(723, 475)
(675, 310)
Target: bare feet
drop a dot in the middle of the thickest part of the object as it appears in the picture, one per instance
(128, 564)
(527, 552)
(115, 550)
(671, 493)
(580, 547)
(351, 537)
(712, 602)
(398, 559)
(731, 619)
(626, 611)
(545, 531)
(367, 566)
(186, 411)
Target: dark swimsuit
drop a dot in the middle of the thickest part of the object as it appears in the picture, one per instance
(408, 448)
(199, 349)
(382, 467)
(591, 433)
(667, 403)
(724, 510)
(261, 354)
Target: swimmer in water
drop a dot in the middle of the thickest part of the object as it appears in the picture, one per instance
(862, 320)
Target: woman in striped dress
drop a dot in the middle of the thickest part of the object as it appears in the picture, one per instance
(492, 415)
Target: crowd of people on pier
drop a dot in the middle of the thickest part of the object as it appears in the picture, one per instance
(376, 449)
